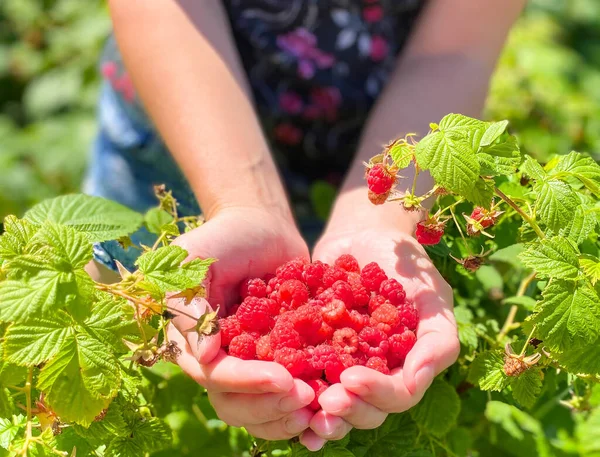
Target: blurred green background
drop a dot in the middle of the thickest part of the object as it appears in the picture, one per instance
(547, 85)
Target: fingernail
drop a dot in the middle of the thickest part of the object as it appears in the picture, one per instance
(300, 396)
(424, 377)
(296, 423)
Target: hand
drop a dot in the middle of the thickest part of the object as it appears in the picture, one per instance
(365, 396)
(261, 396)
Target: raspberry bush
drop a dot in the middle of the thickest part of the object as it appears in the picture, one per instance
(86, 367)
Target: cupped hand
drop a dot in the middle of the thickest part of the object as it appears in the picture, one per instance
(261, 396)
(365, 397)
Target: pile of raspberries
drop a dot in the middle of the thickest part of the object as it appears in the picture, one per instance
(317, 320)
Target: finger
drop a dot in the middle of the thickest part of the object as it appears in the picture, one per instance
(230, 374)
(204, 348)
(329, 427)
(337, 401)
(283, 429)
(312, 441)
(241, 410)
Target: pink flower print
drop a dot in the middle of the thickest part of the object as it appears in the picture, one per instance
(301, 44)
(373, 13)
(288, 134)
(109, 70)
(125, 87)
(379, 48)
(290, 102)
(327, 99)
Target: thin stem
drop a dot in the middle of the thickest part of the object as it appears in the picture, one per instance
(536, 228)
(510, 319)
(522, 353)
(28, 430)
(462, 235)
(414, 184)
(158, 240)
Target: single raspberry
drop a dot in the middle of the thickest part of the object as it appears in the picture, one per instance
(321, 355)
(264, 351)
(230, 328)
(429, 232)
(401, 344)
(409, 316)
(255, 314)
(378, 364)
(326, 295)
(253, 287)
(335, 313)
(386, 318)
(372, 276)
(347, 262)
(343, 291)
(373, 342)
(379, 179)
(313, 275)
(375, 302)
(333, 274)
(357, 320)
(325, 333)
(393, 291)
(243, 346)
(273, 284)
(346, 339)
(360, 292)
(284, 335)
(378, 199)
(291, 270)
(481, 219)
(293, 293)
(307, 320)
(360, 358)
(334, 369)
(294, 360)
(319, 386)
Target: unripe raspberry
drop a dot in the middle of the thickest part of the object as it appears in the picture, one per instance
(393, 291)
(429, 232)
(379, 179)
(378, 199)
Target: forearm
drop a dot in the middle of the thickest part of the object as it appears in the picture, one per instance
(187, 73)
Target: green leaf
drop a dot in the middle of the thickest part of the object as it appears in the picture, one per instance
(396, 436)
(533, 169)
(552, 258)
(556, 203)
(81, 380)
(10, 428)
(163, 267)
(487, 371)
(568, 315)
(156, 219)
(322, 196)
(99, 219)
(107, 323)
(111, 425)
(35, 341)
(591, 267)
(467, 332)
(526, 387)
(63, 247)
(509, 255)
(585, 169)
(401, 153)
(17, 234)
(148, 435)
(580, 360)
(438, 411)
(493, 132)
(500, 158)
(581, 224)
(522, 300)
(6, 404)
(588, 433)
(331, 449)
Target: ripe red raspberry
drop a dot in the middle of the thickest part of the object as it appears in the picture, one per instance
(307, 320)
(294, 360)
(333, 369)
(230, 328)
(401, 344)
(255, 314)
(343, 291)
(375, 302)
(356, 320)
(386, 318)
(291, 270)
(360, 292)
(347, 262)
(393, 291)
(346, 340)
(321, 355)
(313, 275)
(378, 364)
(264, 351)
(319, 386)
(273, 284)
(293, 293)
(243, 346)
(333, 274)
(284, 335)
(373, 342)
(335, 313)
(379, 179)
(253, 287)
(372, 276)
(429, 232)
(326, 296)
(409, 316)
(325, 333)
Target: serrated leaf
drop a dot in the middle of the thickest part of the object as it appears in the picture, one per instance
(581, 361)
(99, 219)
(500, 158)
(396, 436)
(163, 268)
(552, 258)
(568, 315)
(401, 153)
(148, 435)
(487, 371)
(156, 219)
(526, 387)
(10, 428)
(585, 169)
(81, 380)
(493, 132)
(35, 341)
(556, 203)
(438, 411)
(111, 425)
(63, 247)
(6, 404)
(533, 169)
(16, 236)
(581, 224)
(591, 267)
(107, 323)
